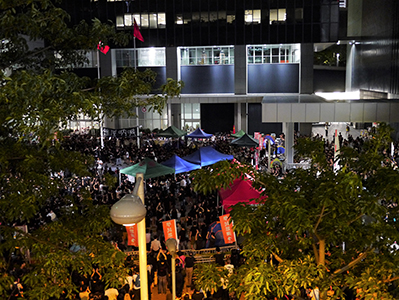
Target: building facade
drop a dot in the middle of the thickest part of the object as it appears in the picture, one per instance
(231, 54)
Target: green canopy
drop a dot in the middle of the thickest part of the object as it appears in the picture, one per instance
(245, 141)
(238, 134)
(149, 168)
(172, 132)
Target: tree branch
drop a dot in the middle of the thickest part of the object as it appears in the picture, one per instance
(352, 263)
(355, 219)
(32, 54)
(320, 217)
(278, 258)
(392, 279)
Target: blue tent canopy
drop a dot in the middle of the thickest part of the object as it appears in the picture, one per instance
(199, 134)
(206, 156)
(180, 165)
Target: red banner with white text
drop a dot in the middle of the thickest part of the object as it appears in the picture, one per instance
(132, 235)
(169, 229)
(227, 229)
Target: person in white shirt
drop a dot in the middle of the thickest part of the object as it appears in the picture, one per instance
(112, 293)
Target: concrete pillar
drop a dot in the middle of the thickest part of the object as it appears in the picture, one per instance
(240, 70)
(288, 129)
(172, 63)
(237, 118)
(306, 69)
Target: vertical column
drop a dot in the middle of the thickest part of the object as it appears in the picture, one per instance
(172, 71)
(306, 69)
(240, 70)
(172, 63)
(288, 129)
(237, 118)
(142, 245)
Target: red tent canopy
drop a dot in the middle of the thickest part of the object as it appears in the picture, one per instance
(239, 191)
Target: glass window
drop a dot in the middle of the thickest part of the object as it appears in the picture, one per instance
(248, 16)
(288, 53)
(231, 18)
(179, 19)
(147, 57)
(187, 110)
(144, 21)
(213, 16)
(196, 111)
(153, 20)
(204, 16)
(119, 21)
(252, 16)
(298, 14)
(161, 20)
(256, 16)
(128, 20)
(277, 15)
(207, 55)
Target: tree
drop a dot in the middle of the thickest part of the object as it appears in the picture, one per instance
(318, 227)
(39, 95)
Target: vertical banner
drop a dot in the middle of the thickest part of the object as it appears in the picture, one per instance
(132, 235)
(169, 229)
(227, 229)
(336, 151)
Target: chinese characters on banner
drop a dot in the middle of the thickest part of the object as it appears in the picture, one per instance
(169, 229)
(227, 229)
(132, 235)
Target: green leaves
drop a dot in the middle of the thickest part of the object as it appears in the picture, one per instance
(318, 227)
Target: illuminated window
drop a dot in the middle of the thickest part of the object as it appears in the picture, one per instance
(216, 55)
(277, 15)
(150, 20)
(161, 20)
(179, 19)
(252, 16)
(231, 18)
(275, 54)
(146, 57)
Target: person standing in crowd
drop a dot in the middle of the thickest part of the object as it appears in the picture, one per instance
(155, 245)
(190, 260)
(162, 275)
(219, 257)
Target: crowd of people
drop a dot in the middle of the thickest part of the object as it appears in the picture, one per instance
(167, 197)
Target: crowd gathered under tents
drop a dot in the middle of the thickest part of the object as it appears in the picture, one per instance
(166, 197)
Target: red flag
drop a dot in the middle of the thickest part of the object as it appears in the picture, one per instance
(103, 49)
(227, 229)
(234, 129)
(136, 31)
(132, 235)
(169, 229)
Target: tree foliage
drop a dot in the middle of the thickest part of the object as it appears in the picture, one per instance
(39, 95)
(318, 227)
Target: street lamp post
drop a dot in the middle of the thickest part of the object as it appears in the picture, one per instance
(171, 245)
(131, 210)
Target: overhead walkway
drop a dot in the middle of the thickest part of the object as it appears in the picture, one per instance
(297, 108)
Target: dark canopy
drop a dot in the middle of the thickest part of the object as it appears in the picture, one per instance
(149, 168)
(238, 134)
(245, 140)
(199, 134)
(206, 156)
(180, 165)
(172, 132)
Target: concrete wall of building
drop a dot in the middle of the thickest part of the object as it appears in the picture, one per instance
(306, 69)
(330, 79)
(255, 121)
(208, 79)
(273, 78)
(240, 70)
(217, 117)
